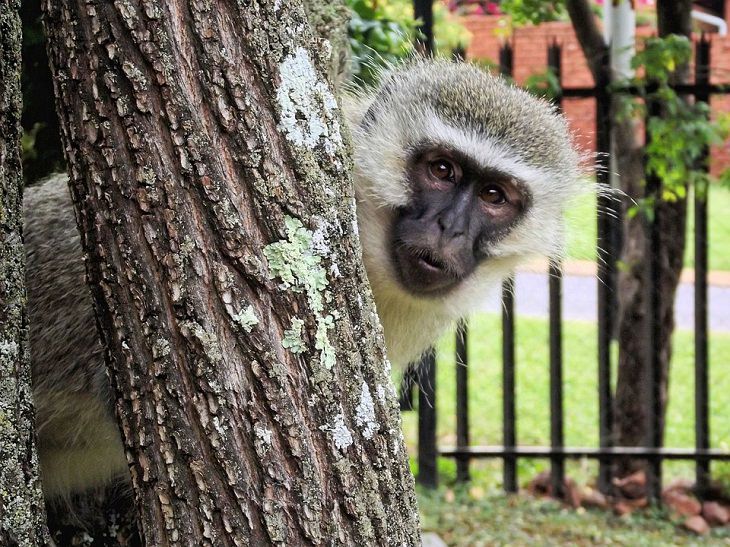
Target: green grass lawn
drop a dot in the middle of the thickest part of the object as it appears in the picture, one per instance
(479, 513)
(533, 428)
(464, 519)
(582, 230)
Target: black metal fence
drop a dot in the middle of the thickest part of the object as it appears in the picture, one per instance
(608, 231)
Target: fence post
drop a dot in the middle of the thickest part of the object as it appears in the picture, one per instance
(407, 385)
(557, 460)
(509, 436)
(427, 449)
(702, 428)
(607, 256)
(423, 12)
(653, 322)
(462, 401)
(506, 56)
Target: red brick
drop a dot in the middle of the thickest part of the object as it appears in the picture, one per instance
(530, 57)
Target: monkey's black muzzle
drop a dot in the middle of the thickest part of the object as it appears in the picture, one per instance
(432, 253)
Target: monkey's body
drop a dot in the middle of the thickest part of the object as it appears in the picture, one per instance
(79, 443)
(459, 178)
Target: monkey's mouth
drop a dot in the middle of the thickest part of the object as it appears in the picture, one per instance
(422, 271)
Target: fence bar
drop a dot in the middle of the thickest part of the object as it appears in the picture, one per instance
(407, 385)
(586, 452)
(557, 463)
(509, 434)
(702, 418)
(505, 59)
(681, 89)
(509, 429)
(607, 255)
(423, 12)
(653, 326)
(427, 450)
(462, 399)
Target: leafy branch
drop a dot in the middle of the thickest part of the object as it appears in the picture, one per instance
(678, 138)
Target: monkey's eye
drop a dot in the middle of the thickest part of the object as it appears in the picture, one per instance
(493, 195)
(442, 170)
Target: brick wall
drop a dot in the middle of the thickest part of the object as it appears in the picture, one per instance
(530, 57)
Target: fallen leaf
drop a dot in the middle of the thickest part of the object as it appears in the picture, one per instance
(449, 496)
(593, 498)
(476, 492)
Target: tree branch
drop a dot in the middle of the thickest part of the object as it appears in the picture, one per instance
(590, 39)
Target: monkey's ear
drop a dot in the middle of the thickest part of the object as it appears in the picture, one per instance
(369, 119)
(355, 107)
(383, 97)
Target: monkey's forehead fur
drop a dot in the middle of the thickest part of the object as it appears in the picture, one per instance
(469, 98)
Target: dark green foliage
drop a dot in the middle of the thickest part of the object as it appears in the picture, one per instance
(543, 84)
(533, 11)
(41, 141)
(383, 32)
(679, 137)
(377, 39)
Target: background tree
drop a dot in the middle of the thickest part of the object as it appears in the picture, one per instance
(211, 183)
(22, 519)
(673, 17)
(630, 421)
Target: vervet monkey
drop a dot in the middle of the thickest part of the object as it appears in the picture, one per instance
(459, 178)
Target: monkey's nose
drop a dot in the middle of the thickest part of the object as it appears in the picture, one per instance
(451, 229)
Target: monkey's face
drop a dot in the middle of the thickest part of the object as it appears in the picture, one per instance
(457, 212)
(460, 178)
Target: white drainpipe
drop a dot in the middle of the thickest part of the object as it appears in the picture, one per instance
(718, 22)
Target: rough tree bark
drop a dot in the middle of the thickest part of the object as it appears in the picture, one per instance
(212, 188)
(22, 517)
(630, 425)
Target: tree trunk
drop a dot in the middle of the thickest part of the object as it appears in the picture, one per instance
(22, 518)
(673, 17)
(630, 418)
(213, 192)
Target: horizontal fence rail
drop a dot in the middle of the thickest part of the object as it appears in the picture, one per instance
(583, 452)
(608, 250)
(696, 88)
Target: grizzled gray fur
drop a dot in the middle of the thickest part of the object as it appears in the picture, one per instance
(79, 443)
(459, 178)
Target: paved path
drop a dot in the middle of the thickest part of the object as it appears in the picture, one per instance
(580, 299)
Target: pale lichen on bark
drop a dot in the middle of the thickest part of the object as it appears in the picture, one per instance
(246, 318)
(293, 337)
(22, 515)
(341, 436)
(309, 115)
(297, 262)
(365, 413)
